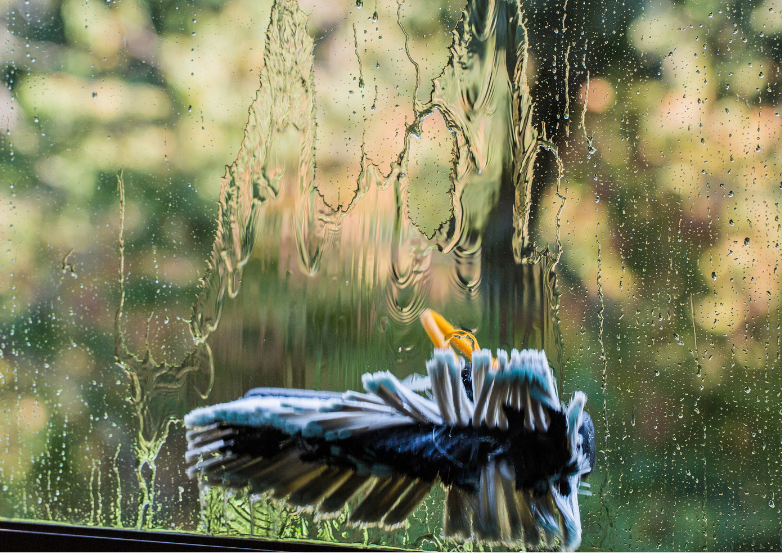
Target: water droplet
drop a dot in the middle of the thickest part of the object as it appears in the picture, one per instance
(757, 148)
(94, 94)
(359, 4)
(747, 389)
(713, 275)
(731, 222)
(746, 242)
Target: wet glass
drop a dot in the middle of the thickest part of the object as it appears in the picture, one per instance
(199, 199)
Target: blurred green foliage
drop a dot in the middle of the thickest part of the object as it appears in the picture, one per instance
(669, 280)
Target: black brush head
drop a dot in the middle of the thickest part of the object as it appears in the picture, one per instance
(587, 431)
(467, 380)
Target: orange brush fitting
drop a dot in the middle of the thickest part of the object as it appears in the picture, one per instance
(432, 329)
(442, 333)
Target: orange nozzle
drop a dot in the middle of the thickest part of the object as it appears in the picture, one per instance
(442, 333)
(429, 322)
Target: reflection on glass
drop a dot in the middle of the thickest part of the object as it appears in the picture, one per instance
(596, 181)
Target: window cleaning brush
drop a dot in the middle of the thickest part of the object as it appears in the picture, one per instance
(492, 431)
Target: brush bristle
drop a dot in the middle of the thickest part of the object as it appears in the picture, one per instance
(291, 444)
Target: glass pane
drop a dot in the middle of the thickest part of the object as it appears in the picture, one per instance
(203, 198)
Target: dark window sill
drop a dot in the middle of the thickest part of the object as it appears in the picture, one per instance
(36, 536)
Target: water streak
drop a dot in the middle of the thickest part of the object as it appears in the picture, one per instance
(357, 243)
